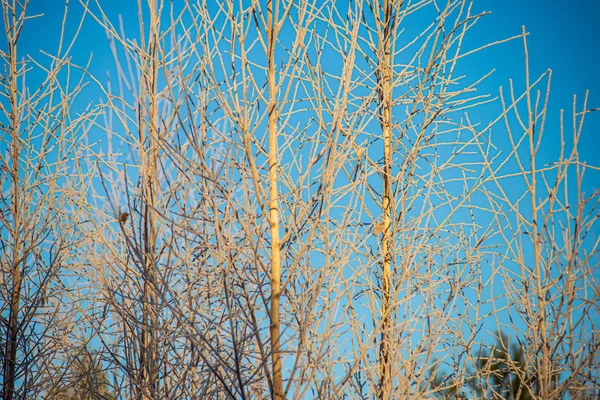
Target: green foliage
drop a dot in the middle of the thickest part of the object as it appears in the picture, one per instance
(86, 380)
(500, 372)
(504, 371)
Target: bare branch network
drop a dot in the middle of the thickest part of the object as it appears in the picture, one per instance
(288, 199)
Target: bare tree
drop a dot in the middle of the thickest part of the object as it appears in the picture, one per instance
(126, 233)
(40, 130)
(546, 229)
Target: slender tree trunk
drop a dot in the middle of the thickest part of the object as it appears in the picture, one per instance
(545, 380)
(12, 335)
(149, 160)
(385, 65)
(272, 30)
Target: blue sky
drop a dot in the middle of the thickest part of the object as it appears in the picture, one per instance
(562, 37)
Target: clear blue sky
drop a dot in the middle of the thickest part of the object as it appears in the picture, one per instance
(563, 37)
